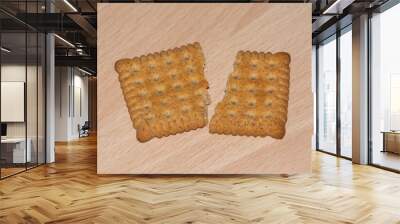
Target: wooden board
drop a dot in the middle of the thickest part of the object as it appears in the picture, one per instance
(128, 30)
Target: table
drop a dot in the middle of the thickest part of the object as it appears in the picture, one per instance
(391, 141)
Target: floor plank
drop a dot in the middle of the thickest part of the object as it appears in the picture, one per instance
(70, 191)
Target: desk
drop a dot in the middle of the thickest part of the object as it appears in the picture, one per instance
(15, 148)
(391, 141)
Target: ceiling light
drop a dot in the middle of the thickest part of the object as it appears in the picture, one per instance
(333, 6)
(70, 5)
(5, 50)
(64, 40)
(84, 71)
(79, 51)
(337, 7)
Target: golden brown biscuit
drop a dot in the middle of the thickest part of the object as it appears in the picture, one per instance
(256, 96)
(166, 92)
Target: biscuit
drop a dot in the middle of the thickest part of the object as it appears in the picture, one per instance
(256, 96)
(166, 92)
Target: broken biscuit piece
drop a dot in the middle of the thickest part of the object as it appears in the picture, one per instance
(256, 97)
(166, 92)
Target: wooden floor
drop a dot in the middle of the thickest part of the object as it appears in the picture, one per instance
(69, 191)
(387, 159)
(5, 172)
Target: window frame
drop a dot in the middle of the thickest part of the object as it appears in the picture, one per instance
(334, 37)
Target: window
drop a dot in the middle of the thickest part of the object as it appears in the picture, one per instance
(394, 102)
(333, 137)
(346, 92)
(385, 89)
(327, 96)
(22, 78)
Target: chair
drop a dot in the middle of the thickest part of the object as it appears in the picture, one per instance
(84, 130)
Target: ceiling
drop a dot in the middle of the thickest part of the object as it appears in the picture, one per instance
(75, 21)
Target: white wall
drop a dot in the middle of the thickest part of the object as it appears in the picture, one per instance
(13, 101)
(12, 73)
(62, 81)
(70, 83)
(80, 84)
(34, 125)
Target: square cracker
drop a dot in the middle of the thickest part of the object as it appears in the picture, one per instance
(256, 96)
(166, 92)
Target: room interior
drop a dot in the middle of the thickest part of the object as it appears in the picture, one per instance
(48, 148)
(22, 102)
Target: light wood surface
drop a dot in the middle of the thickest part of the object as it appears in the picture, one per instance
(70, 191)
(8, 171)
(128, 30)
